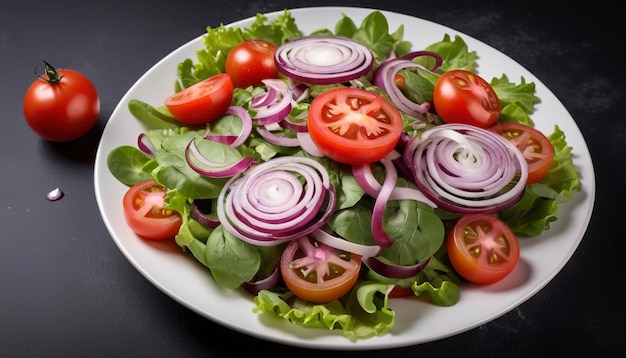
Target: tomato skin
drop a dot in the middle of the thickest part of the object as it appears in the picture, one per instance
(61, 111)
(153, 222)
(250, 62)
(535, 146)
(476, 239)
(203, 102)
(399, 291)
(340, 119)
(461, 96)
(318, 256)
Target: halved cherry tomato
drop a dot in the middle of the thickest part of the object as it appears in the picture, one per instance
(145, 213)
(250, 62)
(203, 102)
(461, 96)
(354, 126)
(482, 248)
(535, 146)
(316, 272)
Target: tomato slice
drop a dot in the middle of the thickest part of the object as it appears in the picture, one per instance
(316, 272)
(203, 102)
(461, 96)
(536, 147)
(145, 213)
(482, 248)
(354, 126)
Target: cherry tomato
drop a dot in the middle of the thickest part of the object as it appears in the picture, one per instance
(203, 102)
(399, 291)
(250, 62)
(461, 96)
(145, 213)
(535, 146)
(354, 126)
(61, 106)
(482, 248)
(399, 81)
(316, 272)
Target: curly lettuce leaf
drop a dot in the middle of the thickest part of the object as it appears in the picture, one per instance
(220, 40)
(363, 313)
(522, 94)
(455, 54)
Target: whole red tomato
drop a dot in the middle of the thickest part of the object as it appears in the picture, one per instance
(62, 105)
(461, 96)
(250, 62)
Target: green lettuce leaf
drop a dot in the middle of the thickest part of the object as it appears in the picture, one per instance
(363, 313)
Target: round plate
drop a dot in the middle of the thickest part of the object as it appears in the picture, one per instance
(186, 281)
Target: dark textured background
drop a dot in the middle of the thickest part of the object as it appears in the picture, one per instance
(67, 291)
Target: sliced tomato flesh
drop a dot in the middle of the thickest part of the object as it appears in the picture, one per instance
(534, 145)
(316, 272)
(482, 248)
(354, 126)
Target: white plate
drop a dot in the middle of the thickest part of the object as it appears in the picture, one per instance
(189, 283)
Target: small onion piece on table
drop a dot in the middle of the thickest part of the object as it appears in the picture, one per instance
(277, 201)
(323, 60)
(466, 169)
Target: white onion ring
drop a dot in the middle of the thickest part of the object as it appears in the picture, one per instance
(323, 60)
(277, 201)
(466, 169)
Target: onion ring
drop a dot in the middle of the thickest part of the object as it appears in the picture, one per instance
(277, 201)
(323, 60)
(466, 169)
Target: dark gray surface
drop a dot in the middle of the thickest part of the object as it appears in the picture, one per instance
(67, 291)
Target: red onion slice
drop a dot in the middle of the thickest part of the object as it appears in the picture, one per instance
(466, 169)
(364, 176)
(323, 60)
(384, 77)
(233, 140)
(391, 175)
(277, 201)
(197, 214)
(390, 270)
(345, 245)
(144, 144)
(209, 168)
(269, 133)
(267, 283)
(307, 144)
(276, 106)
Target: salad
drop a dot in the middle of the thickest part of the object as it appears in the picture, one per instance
(380, 233)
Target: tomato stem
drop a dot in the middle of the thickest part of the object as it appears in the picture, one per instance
(53, 75)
